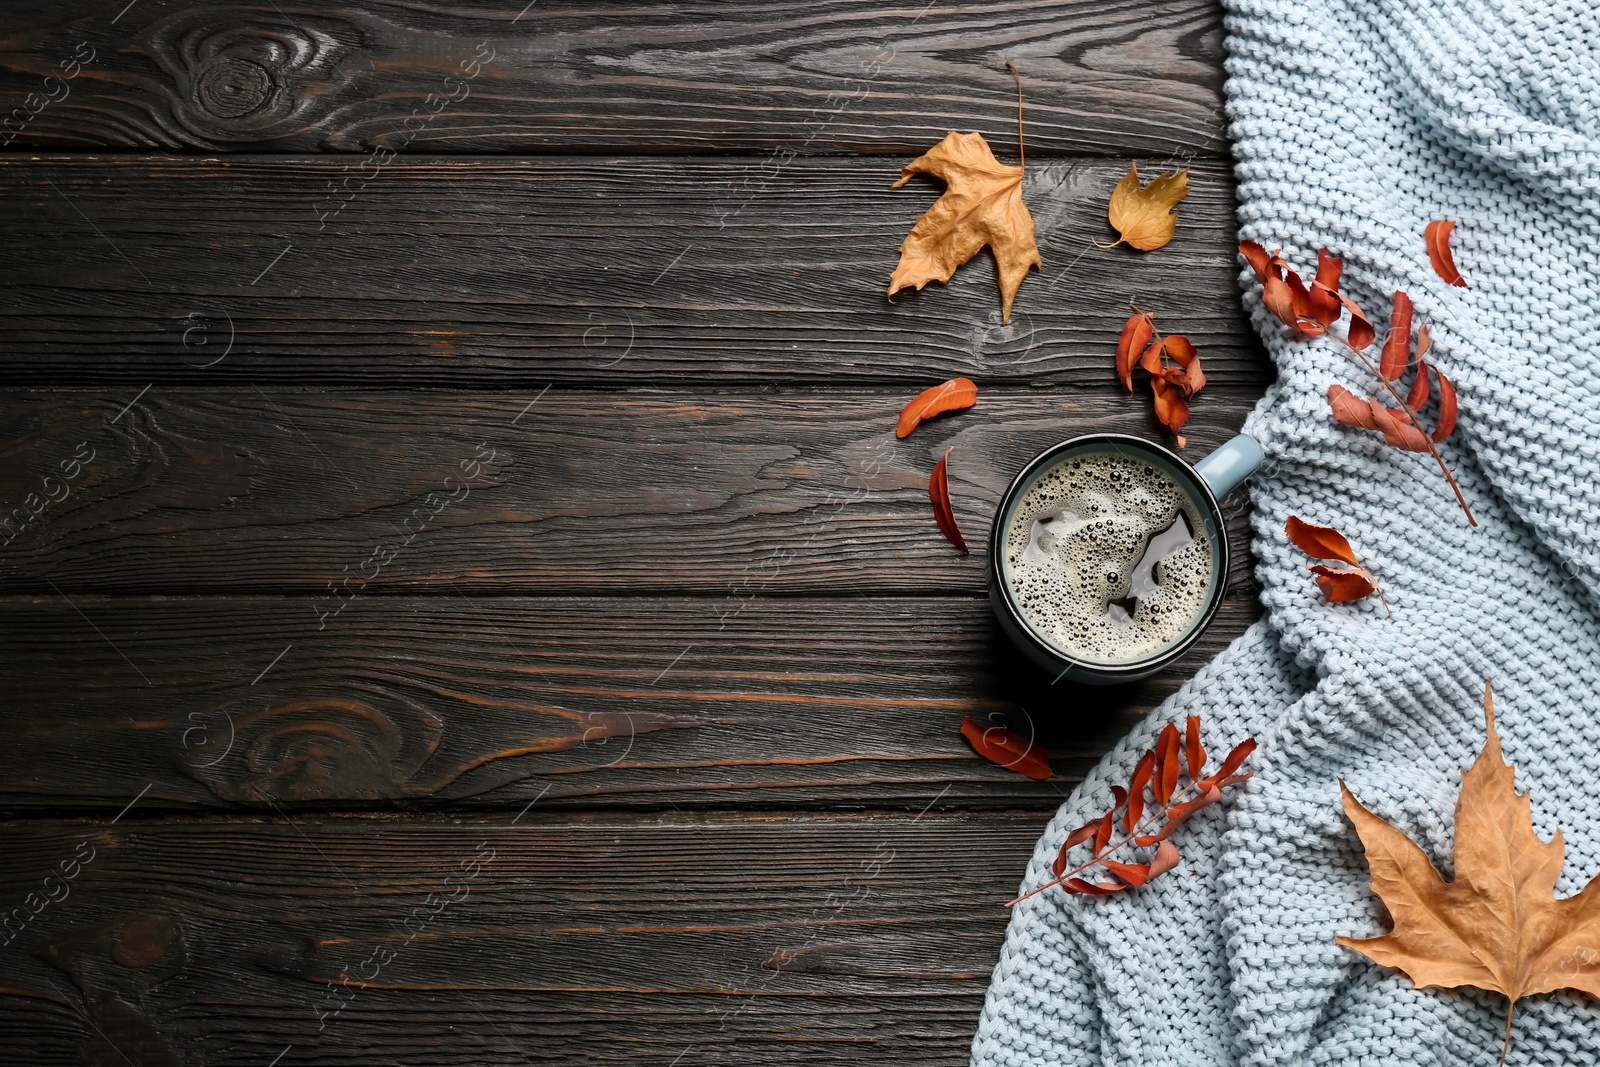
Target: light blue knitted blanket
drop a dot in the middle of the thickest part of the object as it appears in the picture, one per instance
(1355, 123)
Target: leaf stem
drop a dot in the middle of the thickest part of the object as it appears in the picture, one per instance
(1022, 155)
(1415, 421)
(1154, 816)
(1505, 1049)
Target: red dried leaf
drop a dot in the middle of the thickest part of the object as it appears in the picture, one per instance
(1257, 257)
(1340, 586)
(1135, 874)
(1437, 236)
(1279, 299)
(1185, 355)
(1180, 815)
(1011, 751)
(1234, 760)
(1361, 332)
(1165, 778)
(1093, 889)
(1351, 410)
(1141, 777)
(1447, 407)
(1081, 834)
(1172, 409)
(1151, 360)
(1287, 298)
(1397, 346)
(953, 395)
(939, 493)
(1136, 335)
(1319, 542)
(1194, 752)
(1325, 289)
(1166, 858)
(1119, 796)
(1102, 833)
(1422, 341)
(1418, 396)
(1301, 302)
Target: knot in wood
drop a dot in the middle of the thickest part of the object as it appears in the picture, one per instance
(231, 86)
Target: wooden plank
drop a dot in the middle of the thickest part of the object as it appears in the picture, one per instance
(831, 75)
(498, 702)
(750, 938)
(573, 271)
(346, 495)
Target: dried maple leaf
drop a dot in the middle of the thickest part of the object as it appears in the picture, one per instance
(982, 205)
(953, 395)
(1437, 236)
(1498, 925)
(939, 493)
(1010, 750)
(1338, 584)
(1143, 216)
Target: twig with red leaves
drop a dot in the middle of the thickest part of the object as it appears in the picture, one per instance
(1311, 311)
(1157, 771)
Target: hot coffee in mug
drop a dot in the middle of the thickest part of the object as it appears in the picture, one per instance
(1108, 556)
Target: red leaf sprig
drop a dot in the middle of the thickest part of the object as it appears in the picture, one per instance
(1309, 311)
(1158, 772)
(1172, 362)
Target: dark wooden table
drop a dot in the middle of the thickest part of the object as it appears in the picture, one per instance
(463, 599)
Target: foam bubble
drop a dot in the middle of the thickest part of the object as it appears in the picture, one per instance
(1107, 558)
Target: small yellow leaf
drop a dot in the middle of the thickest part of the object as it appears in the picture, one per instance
(982, 205)
(1143, 217)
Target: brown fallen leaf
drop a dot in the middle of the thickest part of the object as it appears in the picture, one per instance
(953, 395)
(1143, 216)
(1437, 236)
(1498, 926)
(1010, 750)
(939, 493)
(1338, 584)
(982, 205)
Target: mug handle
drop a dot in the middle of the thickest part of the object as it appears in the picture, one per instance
(1234, 461)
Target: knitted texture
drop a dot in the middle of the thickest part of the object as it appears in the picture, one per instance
(1355, 123)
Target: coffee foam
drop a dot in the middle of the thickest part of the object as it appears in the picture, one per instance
(1107, 557)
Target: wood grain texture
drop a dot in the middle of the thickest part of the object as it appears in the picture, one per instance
(824, 76)
(350, 495)
(752, 938)
(603, 272)
(647, 704)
